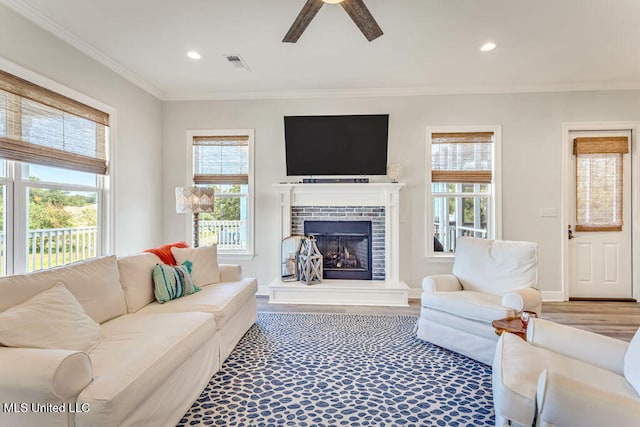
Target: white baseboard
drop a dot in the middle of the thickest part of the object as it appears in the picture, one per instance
(552, 296)
(415, 293)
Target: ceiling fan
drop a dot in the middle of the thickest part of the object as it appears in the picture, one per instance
(355, 8)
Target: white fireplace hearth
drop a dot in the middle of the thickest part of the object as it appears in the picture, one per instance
(375, 202)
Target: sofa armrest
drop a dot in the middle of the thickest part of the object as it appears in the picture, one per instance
(528, 299)
(230, 272)
(43, 375)
(595, 349)
(563, 401)
(441, 283)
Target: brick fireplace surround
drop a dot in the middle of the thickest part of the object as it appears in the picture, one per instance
(377, 202)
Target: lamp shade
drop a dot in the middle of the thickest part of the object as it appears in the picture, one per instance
(194, 200)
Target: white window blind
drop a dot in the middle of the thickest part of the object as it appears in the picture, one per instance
(462, 157)
(599, 175)
(221, 159)
(43, 127)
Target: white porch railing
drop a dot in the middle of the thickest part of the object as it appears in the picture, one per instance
(226, 234)
(53, 247)
(448, 236)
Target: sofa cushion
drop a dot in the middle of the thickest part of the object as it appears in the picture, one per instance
(468, 304)
(495, 266)
(136, 355)
(52, 319)
(95, 283)
(632, 362)
(222, 299)
(204, 263)
(164, 252)
(172, 282)
(136, 277)
(518, 365)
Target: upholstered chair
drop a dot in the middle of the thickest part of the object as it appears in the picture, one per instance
(492, 279)
(563, 376)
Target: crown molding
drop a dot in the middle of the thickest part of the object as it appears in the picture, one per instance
(398, 92)
(37, 17)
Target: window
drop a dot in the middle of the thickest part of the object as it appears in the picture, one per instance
(599, 177)
(223, 160)
(461, 190)
(53, 164)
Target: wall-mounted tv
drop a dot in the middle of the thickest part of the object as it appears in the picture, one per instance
(336, 145)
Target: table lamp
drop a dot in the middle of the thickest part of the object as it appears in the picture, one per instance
(194, 200)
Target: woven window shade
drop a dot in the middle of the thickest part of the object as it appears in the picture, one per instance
(599, 198)
(43, 127)
(463, 157)
(601, 145)
(221, 160)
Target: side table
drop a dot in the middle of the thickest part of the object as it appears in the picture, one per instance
(515, 325)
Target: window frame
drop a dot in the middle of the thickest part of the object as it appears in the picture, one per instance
(16, 186)
(495, 197)
(229, 254)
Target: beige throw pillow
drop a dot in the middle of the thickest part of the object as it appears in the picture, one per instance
(50, 319)
(204, 263)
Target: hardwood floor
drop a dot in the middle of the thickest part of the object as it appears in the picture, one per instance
(615, 319)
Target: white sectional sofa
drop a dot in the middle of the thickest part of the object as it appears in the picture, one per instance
(152, 360)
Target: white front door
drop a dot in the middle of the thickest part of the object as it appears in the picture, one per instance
(600, 257)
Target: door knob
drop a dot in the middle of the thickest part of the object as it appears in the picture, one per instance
(570, 233)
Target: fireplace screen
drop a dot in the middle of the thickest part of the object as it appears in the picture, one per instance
(345, 247)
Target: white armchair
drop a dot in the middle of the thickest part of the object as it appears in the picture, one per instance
(492, 279)
(567, 377)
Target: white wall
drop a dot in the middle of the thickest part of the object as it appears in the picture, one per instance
(531, 160)
(138, 128)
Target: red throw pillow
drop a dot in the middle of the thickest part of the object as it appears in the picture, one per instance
(164, 251)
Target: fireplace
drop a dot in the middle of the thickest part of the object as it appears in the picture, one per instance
(377, 203)
(346, 247)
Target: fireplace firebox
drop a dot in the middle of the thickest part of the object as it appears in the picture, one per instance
(346, 247)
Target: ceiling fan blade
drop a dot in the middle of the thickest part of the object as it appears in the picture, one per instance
(302, 20)
(358, 11)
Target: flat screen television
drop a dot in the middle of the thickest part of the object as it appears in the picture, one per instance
(336, 145)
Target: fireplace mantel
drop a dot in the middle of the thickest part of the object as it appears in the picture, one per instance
(386, 195)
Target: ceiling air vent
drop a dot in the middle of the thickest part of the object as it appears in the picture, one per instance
(237, 62)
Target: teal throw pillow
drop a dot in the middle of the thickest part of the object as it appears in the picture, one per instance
(171, 282)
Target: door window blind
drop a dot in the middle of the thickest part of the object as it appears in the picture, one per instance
(462, 157)
(41, 126)
(599, 175)
(221, 159)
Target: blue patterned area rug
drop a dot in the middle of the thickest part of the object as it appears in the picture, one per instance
(299, 369)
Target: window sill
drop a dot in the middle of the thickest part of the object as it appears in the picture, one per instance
(234, 257)
(441, 259)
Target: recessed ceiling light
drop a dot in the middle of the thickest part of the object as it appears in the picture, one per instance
(488, 46)
(194, 55)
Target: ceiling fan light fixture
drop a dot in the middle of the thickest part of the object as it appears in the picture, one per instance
(333, 1)
(488, 46)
